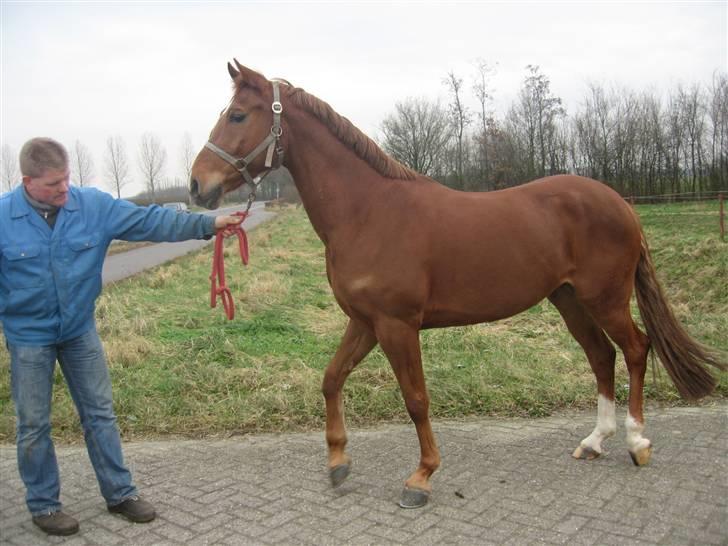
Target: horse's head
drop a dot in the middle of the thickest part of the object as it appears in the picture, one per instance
(245, 144)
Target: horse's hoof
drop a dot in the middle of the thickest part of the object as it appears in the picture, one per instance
(338, 474)
(413, 498)
(642, 456)
(585, 452)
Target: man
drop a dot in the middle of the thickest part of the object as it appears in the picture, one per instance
(53, 240)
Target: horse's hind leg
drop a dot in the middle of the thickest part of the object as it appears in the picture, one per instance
(357, 342)
(601, 356)
(401, 343)
(635, 345)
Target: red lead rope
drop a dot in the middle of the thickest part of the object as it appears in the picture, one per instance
(217, 277)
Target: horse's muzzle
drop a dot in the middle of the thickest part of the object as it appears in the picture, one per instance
(210, 200)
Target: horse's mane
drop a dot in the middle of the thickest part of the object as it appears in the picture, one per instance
(348, 134)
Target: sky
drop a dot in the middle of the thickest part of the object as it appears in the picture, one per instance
(85, 71)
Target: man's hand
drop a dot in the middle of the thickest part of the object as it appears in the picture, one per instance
(225, 221)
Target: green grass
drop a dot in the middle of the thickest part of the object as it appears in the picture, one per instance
(180, 368)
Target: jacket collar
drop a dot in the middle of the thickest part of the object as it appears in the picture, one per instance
(20, 207)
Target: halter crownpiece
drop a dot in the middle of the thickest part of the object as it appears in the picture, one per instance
(271, 143)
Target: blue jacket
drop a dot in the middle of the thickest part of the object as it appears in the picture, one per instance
(50, 279)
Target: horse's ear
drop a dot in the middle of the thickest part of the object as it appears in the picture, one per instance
(250, 77)
(233, 73)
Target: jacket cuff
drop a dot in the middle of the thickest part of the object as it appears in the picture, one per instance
(209, 226)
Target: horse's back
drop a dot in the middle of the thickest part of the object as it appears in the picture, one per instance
(546, 212)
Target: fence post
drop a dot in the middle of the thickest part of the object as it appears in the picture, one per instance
(722, 217)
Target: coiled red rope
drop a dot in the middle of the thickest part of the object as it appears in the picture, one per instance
(217, 276)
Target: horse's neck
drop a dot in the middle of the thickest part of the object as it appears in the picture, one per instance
(336, 187)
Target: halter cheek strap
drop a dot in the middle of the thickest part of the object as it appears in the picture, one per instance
(271, 144)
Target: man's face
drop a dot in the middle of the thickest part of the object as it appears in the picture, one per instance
(51, 188)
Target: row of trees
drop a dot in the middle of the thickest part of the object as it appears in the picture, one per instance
(117, 171)
(637, 142)
(640, 143)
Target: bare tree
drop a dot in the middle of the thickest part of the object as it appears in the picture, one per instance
(547, 109)
(693, 107)
(152, 157)
(595, 127)
(483, 92)
(718, 114)
(117, 165)
(82, 164)
(10, 171)
(675, 133)
(187, 157)
(533, 118)
(460, 118)
(416, 133)
(651, 143)
(625, 142)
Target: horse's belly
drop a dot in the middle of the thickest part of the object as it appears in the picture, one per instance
(485, 295)
(454, 313)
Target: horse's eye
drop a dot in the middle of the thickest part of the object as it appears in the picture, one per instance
(236, 117)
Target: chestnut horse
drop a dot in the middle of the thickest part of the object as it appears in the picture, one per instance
(405, 253)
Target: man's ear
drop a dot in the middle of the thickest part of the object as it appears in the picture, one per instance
(26, 180)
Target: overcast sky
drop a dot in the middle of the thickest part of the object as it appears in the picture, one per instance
(88, 70)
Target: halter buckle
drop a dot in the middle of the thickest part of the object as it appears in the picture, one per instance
(277, 107)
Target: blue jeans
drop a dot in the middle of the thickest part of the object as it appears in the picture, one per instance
(83, 364)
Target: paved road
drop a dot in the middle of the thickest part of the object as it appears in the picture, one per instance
(126, 264)
(503, 481)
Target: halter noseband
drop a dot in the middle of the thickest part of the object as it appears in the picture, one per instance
(271, 142)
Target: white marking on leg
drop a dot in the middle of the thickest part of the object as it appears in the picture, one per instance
(606, 425)
(635, 441)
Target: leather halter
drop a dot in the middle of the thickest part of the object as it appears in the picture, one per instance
(271, 142)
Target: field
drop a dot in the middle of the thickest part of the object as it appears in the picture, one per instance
(180, 368)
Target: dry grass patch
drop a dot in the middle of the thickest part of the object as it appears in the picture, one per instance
(326, 321)
(261, 289)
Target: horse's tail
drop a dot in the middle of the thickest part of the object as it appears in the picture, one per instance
(683, 357)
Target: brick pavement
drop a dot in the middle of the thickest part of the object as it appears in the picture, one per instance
(502, 481)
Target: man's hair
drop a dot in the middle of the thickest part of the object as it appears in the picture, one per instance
(39, 154)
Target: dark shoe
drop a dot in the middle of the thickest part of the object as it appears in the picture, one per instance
(56, 523)
(135, 509)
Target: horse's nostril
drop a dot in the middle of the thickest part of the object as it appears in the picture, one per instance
(194, 187)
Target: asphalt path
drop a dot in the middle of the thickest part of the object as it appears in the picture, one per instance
(125, 264)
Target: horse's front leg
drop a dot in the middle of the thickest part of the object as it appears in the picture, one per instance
(401, 343)
(357, 342)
